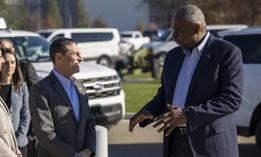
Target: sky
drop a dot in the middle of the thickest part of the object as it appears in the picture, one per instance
(121, 14)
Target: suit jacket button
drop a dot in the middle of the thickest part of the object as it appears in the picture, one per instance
(5, 131)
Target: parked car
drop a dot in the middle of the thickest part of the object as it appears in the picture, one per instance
(248, 117)
(98, 44)
(102, 84)
(157, 49)
(155, 53)
(135, 38)
(214, 29)
(153, 34)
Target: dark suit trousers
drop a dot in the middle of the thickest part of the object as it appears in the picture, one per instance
(179, 145)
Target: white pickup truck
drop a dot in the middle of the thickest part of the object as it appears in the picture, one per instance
(135, 38)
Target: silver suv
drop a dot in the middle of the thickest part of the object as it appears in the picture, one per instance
(103, 85)
(248, 117)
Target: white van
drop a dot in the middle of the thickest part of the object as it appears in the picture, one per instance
(248, 117)
(99, 44)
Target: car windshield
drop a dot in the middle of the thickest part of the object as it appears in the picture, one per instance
(164, 36)
(31, 48)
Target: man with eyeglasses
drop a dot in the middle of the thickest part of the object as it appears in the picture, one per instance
(201, 88)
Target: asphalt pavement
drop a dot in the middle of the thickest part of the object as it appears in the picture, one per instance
(146, 142)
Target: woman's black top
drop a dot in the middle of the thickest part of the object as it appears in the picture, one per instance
(6, 94)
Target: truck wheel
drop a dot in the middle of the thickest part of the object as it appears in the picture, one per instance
(161, 58)
(157, 65)
(258, 134)
(104, 61)
(155, 68)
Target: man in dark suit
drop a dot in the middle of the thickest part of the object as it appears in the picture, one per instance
(59, 108)
(201, 88)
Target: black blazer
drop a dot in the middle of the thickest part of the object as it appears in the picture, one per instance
(215, 93)
(29, 73)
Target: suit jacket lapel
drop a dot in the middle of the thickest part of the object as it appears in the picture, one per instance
(60, 90)
(205, 58)
(81, 91)
(176, 62)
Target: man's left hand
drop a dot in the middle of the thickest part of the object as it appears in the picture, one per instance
(174, 117)
(85, 153)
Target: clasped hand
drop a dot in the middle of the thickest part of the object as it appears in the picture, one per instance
(169, 120)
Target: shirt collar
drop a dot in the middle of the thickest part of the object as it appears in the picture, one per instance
(200, 47)
(64, 80)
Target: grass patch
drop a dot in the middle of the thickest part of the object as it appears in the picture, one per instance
(137, 94)
(136, 75)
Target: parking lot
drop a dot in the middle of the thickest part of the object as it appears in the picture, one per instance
(147, 142)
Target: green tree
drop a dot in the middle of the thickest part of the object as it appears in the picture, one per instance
(231, 11)
(16, 15)
(53, 16)
(82, 16)
(99, 22)
(140, 26)
(216, 11)
(34, 22)
(3, 7)
(166, 9)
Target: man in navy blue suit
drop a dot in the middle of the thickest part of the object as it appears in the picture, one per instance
(201, 88)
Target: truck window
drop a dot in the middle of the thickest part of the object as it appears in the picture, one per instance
(58, 36)
(126, 35)
(31, 48)
(44, 34)
(250, 46)
(92, 37)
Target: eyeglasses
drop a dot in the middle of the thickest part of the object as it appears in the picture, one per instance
(177, 31)
(6, 50)
(9, 50)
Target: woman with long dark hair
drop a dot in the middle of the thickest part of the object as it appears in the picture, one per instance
(15, 93)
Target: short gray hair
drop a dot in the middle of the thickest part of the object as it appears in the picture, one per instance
(191, 13)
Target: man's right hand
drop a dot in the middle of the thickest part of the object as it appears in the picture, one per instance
(139, 117)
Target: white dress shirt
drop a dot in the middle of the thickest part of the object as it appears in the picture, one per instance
(186, 72)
